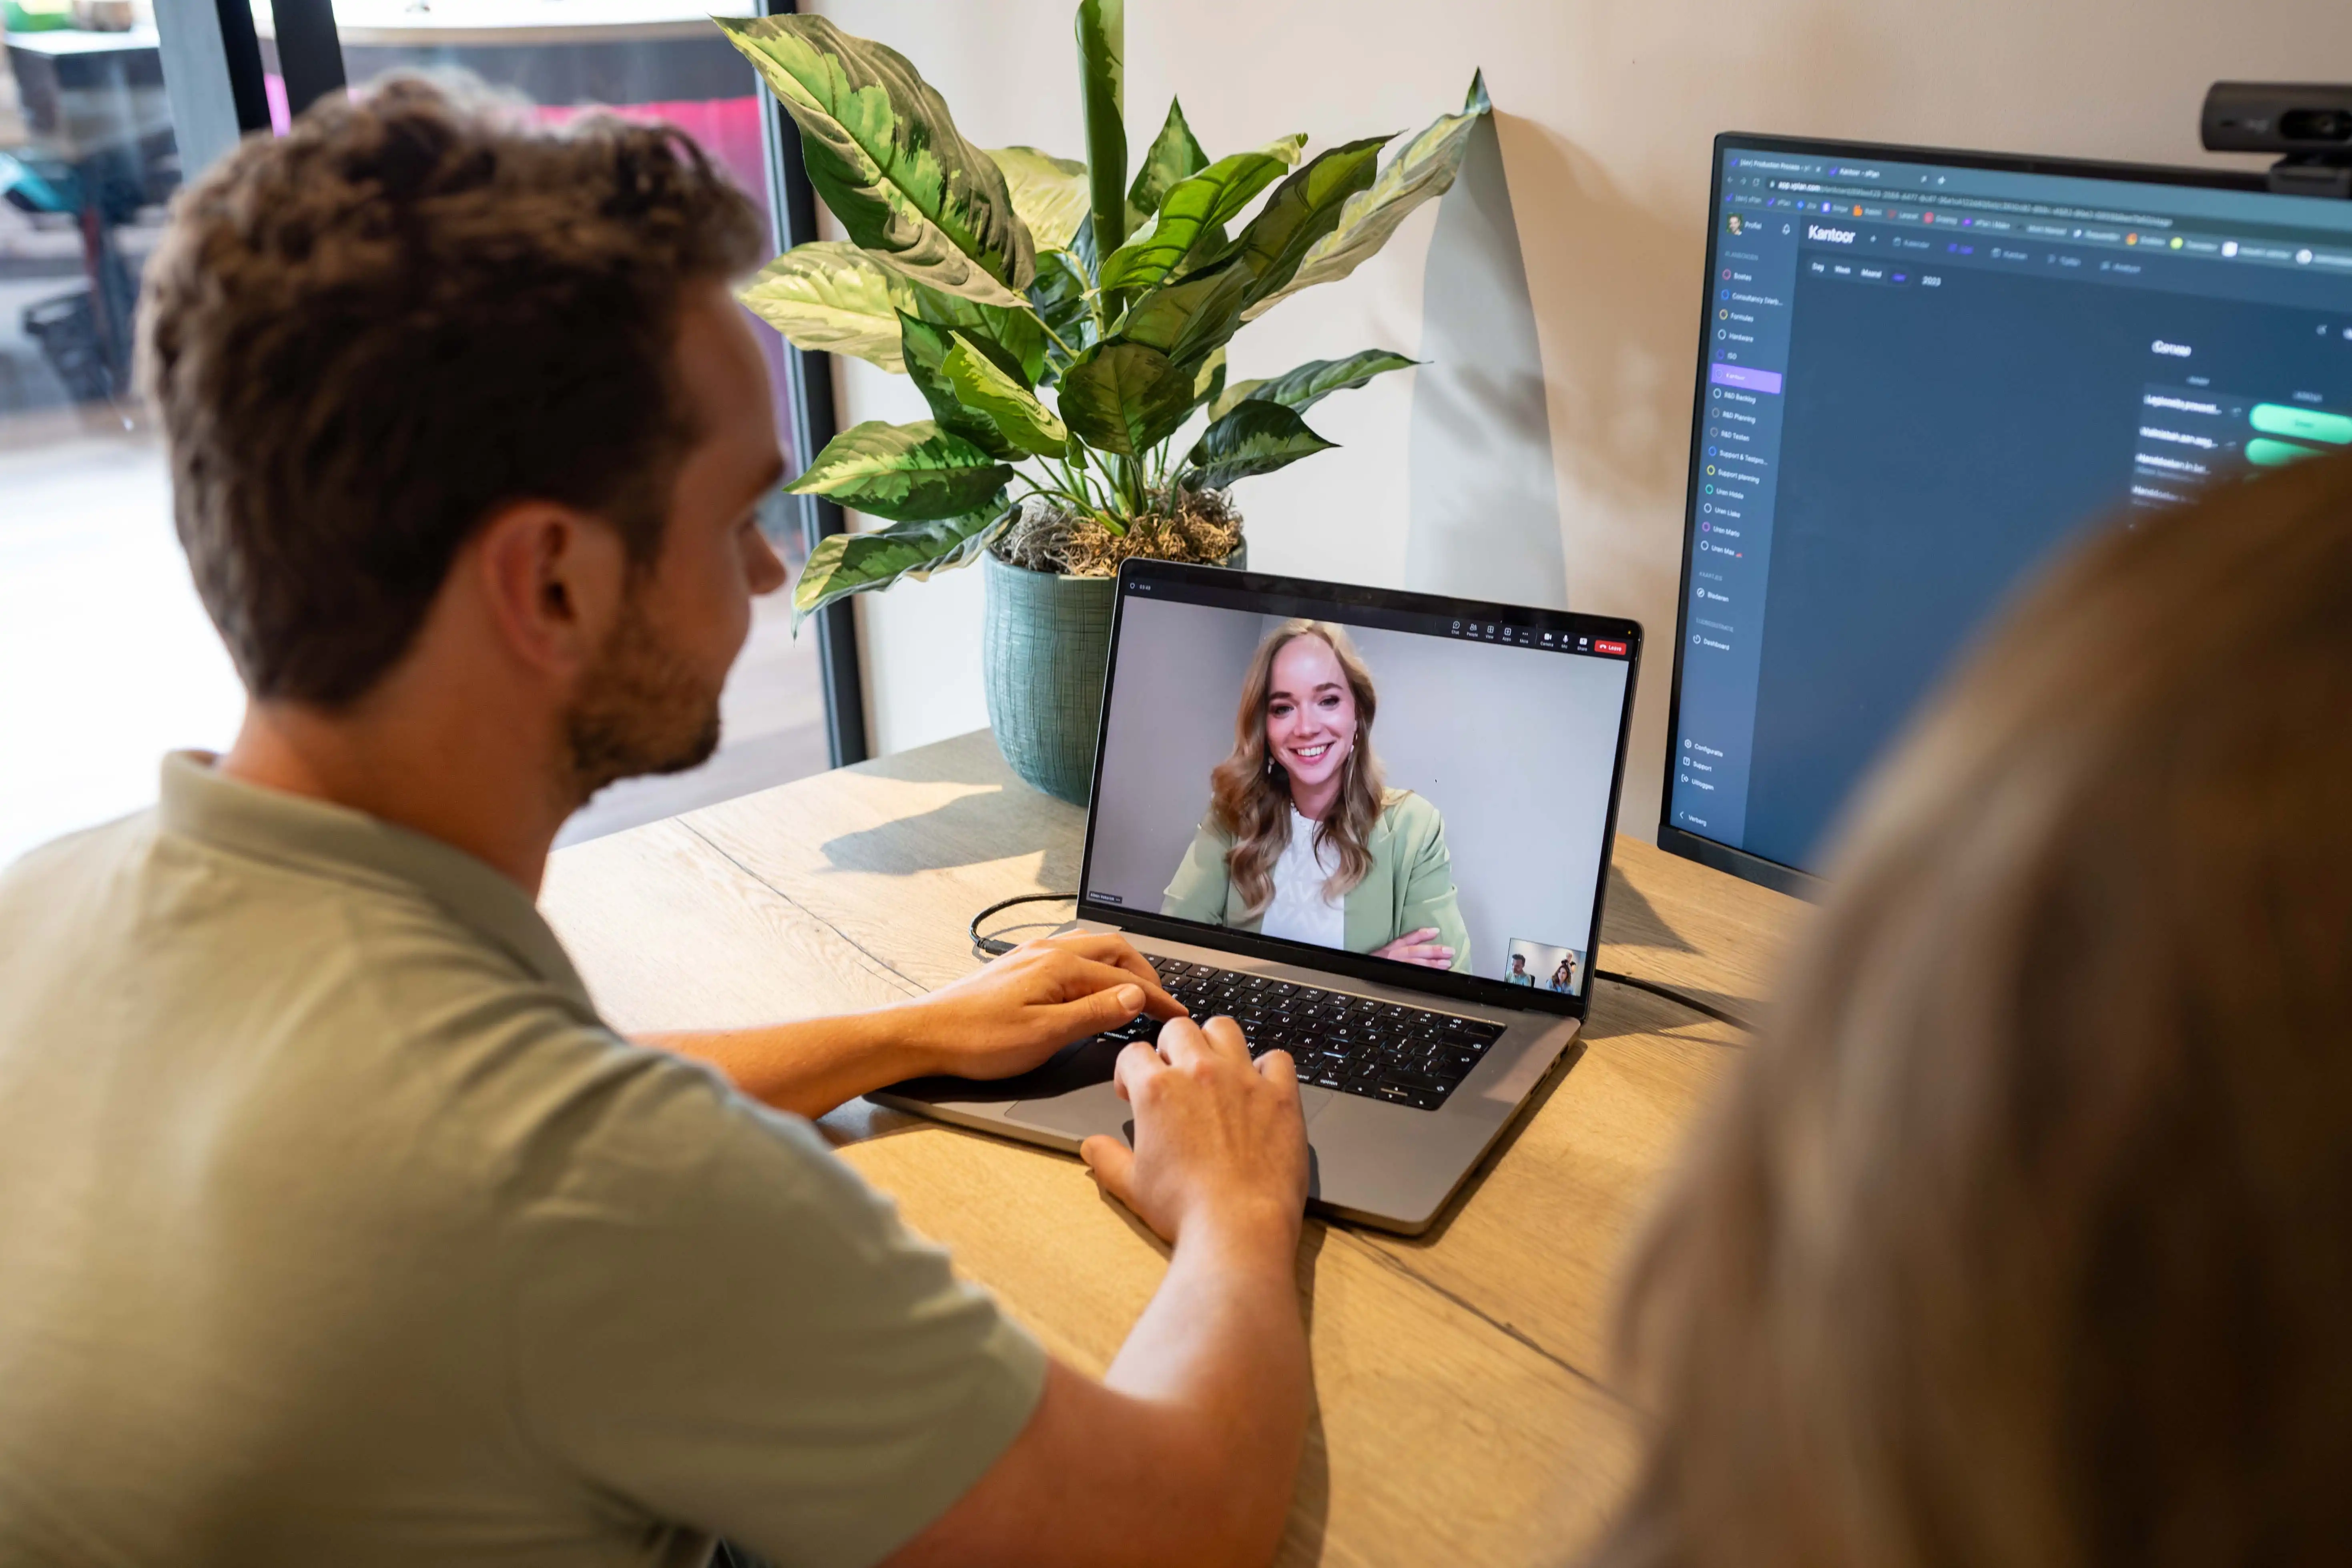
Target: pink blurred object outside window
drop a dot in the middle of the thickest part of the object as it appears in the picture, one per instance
(726, 128)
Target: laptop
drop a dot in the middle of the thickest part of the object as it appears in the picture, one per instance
(1461, 760)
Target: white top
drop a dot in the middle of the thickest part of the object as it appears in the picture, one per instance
(1300, 910)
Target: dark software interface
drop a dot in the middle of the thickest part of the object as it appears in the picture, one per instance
(1919, 381)
(1495, 740)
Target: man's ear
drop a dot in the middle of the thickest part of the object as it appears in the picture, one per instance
(552, 580)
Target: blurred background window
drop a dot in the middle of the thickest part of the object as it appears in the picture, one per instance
(109, 660)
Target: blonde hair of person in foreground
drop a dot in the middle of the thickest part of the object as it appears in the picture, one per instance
(2025, 1234)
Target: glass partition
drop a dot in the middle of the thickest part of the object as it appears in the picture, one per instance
(108, 658)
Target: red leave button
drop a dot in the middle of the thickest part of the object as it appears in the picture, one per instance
(1615, 647)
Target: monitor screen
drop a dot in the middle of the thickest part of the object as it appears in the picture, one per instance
(1424, 783)
(1919, 375)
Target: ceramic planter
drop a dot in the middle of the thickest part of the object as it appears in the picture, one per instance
(1044, 642)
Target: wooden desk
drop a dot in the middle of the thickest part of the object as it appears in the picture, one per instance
(1466, 1409)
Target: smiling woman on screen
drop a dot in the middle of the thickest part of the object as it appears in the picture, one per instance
(1302, 840)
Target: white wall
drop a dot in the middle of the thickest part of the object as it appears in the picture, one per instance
(1605, 113)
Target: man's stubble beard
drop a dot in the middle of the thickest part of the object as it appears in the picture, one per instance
(640, 710)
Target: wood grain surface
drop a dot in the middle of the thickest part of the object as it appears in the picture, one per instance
(1464, 1404)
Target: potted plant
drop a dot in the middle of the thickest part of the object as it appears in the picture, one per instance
(1064, 322)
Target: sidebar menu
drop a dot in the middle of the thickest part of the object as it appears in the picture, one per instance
(1751, 295)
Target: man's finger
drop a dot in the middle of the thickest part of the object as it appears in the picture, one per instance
(1113, 1163)
(1078, 976)
(1180, 1040)
(1279, 1069)
(1107, 947)
(1091, 1015)
(1226, 1038)
(1139, 1064)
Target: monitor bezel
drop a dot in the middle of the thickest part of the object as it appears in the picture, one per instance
(1779, 875)
(1341, 597)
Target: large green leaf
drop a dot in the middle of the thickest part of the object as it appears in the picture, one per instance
(910, 473)
(924, 347)
(1173, 156)
(1213, 243)
(1422, 170)
(1256, 437)
(1018, 417)
(1125, 397)
(1209, 381)
(846, 564)
(1059, 298)
(1049, 193)
(1102, 89)
(1190, 317)
(884, 152)
(1203, 201)
(1310, 384)
(1303, 209)
(827, 298)
(1012, 338)
(1232, 395)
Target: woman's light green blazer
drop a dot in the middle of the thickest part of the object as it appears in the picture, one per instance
(1409, 888)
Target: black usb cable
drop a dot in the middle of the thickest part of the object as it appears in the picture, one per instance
(996, 946)
(1680, 999)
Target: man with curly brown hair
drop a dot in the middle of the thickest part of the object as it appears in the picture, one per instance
(335, 1226)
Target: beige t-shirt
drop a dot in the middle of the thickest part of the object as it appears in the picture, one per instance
(336, 1228)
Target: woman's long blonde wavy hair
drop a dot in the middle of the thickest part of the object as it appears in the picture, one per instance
(1249, 793)
(2025, 1236)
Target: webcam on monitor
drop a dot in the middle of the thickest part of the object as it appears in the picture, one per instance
(2309, 124)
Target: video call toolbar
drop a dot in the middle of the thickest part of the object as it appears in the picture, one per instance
(1544, 637)
(1542, 631)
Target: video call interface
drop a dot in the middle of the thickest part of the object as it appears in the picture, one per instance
(1923, 380)
(1494, 744)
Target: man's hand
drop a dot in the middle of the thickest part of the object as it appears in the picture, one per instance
(1012, 1013)
(1185, 1453)
(1217, 1136)
(1004, 1019)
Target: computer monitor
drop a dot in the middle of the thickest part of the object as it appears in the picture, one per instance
(1921, 372)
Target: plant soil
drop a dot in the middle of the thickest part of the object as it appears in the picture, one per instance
(1043, 537)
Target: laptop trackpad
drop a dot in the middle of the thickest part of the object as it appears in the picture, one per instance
(1098, 1108)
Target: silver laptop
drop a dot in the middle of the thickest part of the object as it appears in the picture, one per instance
(1381, 849)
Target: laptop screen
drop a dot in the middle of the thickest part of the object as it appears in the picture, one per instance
(1424, 783)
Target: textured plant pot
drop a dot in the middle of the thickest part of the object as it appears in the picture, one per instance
(1044, 642)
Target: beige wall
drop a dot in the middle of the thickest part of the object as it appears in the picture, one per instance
(1606, 112)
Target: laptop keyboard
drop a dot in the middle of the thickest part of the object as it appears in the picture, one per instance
(1382, 1050)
